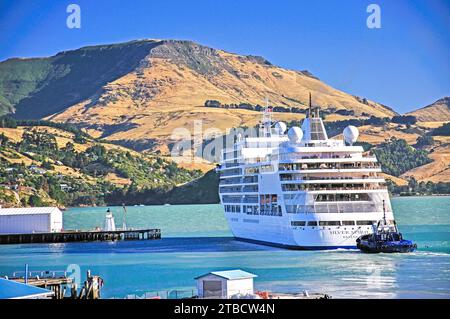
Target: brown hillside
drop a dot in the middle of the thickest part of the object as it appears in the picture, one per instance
(436, 171)
(439, 111)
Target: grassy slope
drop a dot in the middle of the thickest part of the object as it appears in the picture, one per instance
(29, 85)
(19, 78)
(438, 111)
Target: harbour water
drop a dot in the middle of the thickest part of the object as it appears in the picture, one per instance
(196, 240)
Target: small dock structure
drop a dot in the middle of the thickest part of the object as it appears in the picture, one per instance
(225, 284)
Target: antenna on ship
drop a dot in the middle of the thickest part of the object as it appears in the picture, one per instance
(384, 211)
(124, 224)
(310, 105)
(267, 118)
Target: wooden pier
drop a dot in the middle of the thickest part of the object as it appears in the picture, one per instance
(60, 284)
(80, 236)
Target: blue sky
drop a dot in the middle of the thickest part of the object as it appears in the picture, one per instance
(405, 64)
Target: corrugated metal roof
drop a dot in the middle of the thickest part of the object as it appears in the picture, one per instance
(15, 290)
(29, 211)
(230, 274)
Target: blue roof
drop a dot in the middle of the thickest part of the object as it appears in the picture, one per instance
(15, 290)
(231, 274)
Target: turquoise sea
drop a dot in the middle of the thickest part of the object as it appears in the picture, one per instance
(196, 240)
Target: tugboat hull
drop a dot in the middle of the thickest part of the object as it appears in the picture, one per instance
(367, 245)
(387, 248)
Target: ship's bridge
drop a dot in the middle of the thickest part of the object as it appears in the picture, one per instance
(313, 128)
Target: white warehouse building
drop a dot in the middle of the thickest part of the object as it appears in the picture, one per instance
(30, 220)
(225, 284)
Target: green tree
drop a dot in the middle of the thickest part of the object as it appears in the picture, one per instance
(35, 201)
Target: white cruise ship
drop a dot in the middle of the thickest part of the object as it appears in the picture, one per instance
(301, 190)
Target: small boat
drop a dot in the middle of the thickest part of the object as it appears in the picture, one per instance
(385, 239)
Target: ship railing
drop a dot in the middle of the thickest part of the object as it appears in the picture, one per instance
(230, 173)
(251, 179)
(327, 178)
(232, 200)
(228, 165)
(226, 191)
(324, 166)
(330, 208)
(347, 208)
(292, 156)
(236, 180)
(250, 201)
(313, 189)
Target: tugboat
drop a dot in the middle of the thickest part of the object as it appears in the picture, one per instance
(385, 239)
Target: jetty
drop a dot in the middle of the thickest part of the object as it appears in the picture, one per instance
(59, 283)
(80, 236)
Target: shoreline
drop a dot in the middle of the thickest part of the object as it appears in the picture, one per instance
(409, 196)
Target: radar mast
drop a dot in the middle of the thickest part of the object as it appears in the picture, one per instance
(267, 119)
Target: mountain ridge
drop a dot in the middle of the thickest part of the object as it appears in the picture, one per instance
(201, 59)
(438, 111)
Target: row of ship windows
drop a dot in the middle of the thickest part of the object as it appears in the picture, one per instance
(298, 187)
(297, 167)
(302, 187)
(303, 166)
(292, 177)
(321, 198)
(314, 223)
(237, 153)
(334, 197)
(239, 180)
(306, 187)
(319, 223)
(309, 177)
(263, 199)
(264, 210)
(239, 189)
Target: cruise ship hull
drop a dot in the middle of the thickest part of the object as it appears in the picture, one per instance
(279, 233)
(267, 243)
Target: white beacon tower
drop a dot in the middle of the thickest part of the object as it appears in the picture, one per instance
(110, 224)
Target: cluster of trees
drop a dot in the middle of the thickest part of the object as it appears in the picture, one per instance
(404, 119)
(424, 141)
(397, 157)
(279, 109)
(443, 130)
(10, 122)
(420, 188)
